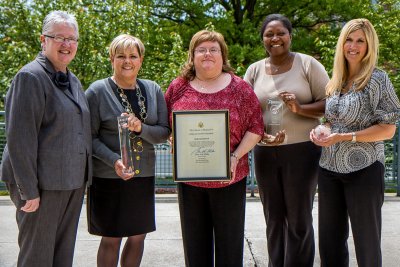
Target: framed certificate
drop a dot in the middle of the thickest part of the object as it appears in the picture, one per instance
(201, 145)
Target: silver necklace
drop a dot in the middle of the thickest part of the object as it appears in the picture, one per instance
(273, 67)
(200, 81)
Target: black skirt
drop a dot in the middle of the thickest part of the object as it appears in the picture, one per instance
(118, 208)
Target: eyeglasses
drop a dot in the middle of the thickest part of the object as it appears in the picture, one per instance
(60, 39)
(203, 51)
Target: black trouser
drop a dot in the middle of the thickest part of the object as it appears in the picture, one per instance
(358, 195)
(213, 217)
(287, 178)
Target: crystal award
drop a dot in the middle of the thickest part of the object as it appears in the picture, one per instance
(273, 115)
(125, 145)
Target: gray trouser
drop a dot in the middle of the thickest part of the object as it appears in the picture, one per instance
(47, 237)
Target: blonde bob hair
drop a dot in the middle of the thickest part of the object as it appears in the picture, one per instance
(340, 68)
(123, 42)
(188, 71)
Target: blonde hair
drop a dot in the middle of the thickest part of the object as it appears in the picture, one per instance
(340, 69)
(188, 71)
(123, 42)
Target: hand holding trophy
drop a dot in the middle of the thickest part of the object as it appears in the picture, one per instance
(323, 130)
(274, 135)
(127, 169)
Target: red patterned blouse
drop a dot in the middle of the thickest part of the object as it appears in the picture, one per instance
(245, 114)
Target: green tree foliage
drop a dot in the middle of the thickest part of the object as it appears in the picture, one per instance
(316, 26)
(386, 20)
(240, 21)
(99, 22)
(166, 27)
(385, 17)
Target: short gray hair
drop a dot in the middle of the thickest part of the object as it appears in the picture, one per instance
(59, 17)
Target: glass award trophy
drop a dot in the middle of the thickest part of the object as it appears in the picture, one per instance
(273, 115)
(125, 145)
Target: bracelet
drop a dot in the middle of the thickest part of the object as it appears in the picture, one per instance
(353, 137)
(235, 156)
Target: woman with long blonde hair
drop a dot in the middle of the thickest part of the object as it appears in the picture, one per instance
(361, 109)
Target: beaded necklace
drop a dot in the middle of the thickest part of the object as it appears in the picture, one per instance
(136, 142)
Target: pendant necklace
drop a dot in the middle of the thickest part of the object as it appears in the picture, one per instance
(200, 81)
(350, 84)
(275, 68)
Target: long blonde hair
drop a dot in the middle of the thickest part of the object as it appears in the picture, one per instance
(340, 69)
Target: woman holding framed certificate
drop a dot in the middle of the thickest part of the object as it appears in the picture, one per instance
(212, 212)
(291, 89)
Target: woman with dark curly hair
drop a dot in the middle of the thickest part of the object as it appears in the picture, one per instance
(286, 162)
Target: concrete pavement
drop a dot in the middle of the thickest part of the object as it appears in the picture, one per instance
(164, 247)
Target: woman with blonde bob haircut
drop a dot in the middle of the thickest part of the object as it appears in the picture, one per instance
(121, 204)
(124, 42)
(361, 109)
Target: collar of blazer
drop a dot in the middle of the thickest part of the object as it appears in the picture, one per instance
(68, 82)
(61, 80)
(45, 63)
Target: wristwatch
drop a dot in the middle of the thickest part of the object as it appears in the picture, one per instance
(354, 137)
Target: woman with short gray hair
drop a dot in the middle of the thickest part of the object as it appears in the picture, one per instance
(47, 160)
